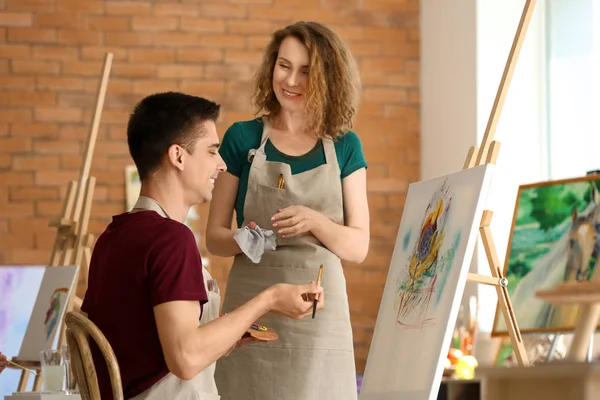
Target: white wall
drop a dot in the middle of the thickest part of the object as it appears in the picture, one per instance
(464, 48)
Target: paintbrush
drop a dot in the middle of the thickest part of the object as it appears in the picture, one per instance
(22, 367)
(316, 300)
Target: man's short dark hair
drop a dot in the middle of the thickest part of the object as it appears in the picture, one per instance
(163, 119)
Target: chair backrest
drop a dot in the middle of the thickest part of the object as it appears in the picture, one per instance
(79, 329)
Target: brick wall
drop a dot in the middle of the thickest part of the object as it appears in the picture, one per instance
(51, 55)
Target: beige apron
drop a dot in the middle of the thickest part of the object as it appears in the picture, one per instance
(202, 386)
(313, 358)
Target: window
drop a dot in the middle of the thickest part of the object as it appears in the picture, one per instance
(573, 87)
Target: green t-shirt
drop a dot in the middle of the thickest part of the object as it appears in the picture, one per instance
(243, 136)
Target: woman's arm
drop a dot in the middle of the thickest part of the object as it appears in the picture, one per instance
(350, 241)
(219, 235)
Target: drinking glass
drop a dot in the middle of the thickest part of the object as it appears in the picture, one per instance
(53, 370)
(70, 383)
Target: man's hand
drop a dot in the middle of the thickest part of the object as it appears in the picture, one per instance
(295, 301)
(295, 220)
(3, 362)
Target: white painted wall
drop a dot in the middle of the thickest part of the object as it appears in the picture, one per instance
(464, 48)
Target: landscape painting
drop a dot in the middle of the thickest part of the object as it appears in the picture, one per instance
(425, 284)
(555, 238)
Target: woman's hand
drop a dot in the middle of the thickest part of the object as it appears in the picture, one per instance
(295, 220)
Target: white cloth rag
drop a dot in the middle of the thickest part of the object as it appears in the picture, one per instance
(254, 242)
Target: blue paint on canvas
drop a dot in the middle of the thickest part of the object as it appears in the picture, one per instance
(19, 286)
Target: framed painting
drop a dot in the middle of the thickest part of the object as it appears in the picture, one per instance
(554, 238)
(425, 283)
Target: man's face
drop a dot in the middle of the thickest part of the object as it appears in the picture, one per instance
(203, 165)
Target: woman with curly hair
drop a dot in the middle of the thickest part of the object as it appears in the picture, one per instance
(299, 171)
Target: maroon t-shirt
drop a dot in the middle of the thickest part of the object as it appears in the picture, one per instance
(140, 260)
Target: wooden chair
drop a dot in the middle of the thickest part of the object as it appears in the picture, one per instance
(79, 329)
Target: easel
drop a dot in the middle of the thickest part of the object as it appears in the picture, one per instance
(586, 294)
(487, 153)
(73, 242)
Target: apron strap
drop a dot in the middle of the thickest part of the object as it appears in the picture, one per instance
(147, 203)
(330, 154)
(266, 132)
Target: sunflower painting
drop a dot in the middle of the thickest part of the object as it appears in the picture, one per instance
(425, 284)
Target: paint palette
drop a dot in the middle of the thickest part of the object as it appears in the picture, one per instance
(261, 333)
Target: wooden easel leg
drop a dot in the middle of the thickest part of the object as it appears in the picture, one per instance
(586, 325)
(37, 383)
(23, 381)
(502, 292)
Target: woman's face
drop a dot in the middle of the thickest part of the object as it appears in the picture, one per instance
(290, 75)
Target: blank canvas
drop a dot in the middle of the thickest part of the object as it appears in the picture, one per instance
(424, 286)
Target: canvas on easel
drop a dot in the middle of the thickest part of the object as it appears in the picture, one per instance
(48, 311)
(425, 284)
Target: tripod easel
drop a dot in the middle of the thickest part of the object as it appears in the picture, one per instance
(73, 243)
(487, 153)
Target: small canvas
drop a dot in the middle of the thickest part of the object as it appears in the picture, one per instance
(425, 283)
(48, 311)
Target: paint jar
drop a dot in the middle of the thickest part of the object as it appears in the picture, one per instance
(53, 370)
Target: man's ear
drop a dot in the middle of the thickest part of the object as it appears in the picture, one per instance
(175, 156)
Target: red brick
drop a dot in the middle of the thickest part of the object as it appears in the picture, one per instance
(180, 71)
(27, 98)
(52, 52)
(120, 7)
(103, 24)
(223, 10)
(58, 114)
(152, 23)
(223, 41)
(79, 37)
(212, 88)
(134, 70)
(212, 25)
(180, 9)
(5, 160)
(30, 35)
(147, 86)
(14, 179)
(243, 57)
(48, 208)
(199, 55)
(152, 55)
(34, 162)
(128, 39)
(271, 13)
(15, 115)
(37, 130)
(91, 6)
(82, 68)
(62, 19)
(15, 145)
(35, 67)
(60, 83)
(9, 241)
(29, 5)
(56, 177)
(33, 193)
(15, 51)
(16, 19)
(242, 72)
(56, 147)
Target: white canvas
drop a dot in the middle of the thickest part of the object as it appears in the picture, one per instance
(48, 311)
(410, 343)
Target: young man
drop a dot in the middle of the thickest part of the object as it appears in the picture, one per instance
(147, 291)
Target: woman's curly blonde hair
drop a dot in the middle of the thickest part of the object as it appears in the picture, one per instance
(333, 81)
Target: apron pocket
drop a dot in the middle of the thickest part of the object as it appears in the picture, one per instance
(268, 201)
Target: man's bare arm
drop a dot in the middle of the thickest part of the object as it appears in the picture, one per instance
(189, 348)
